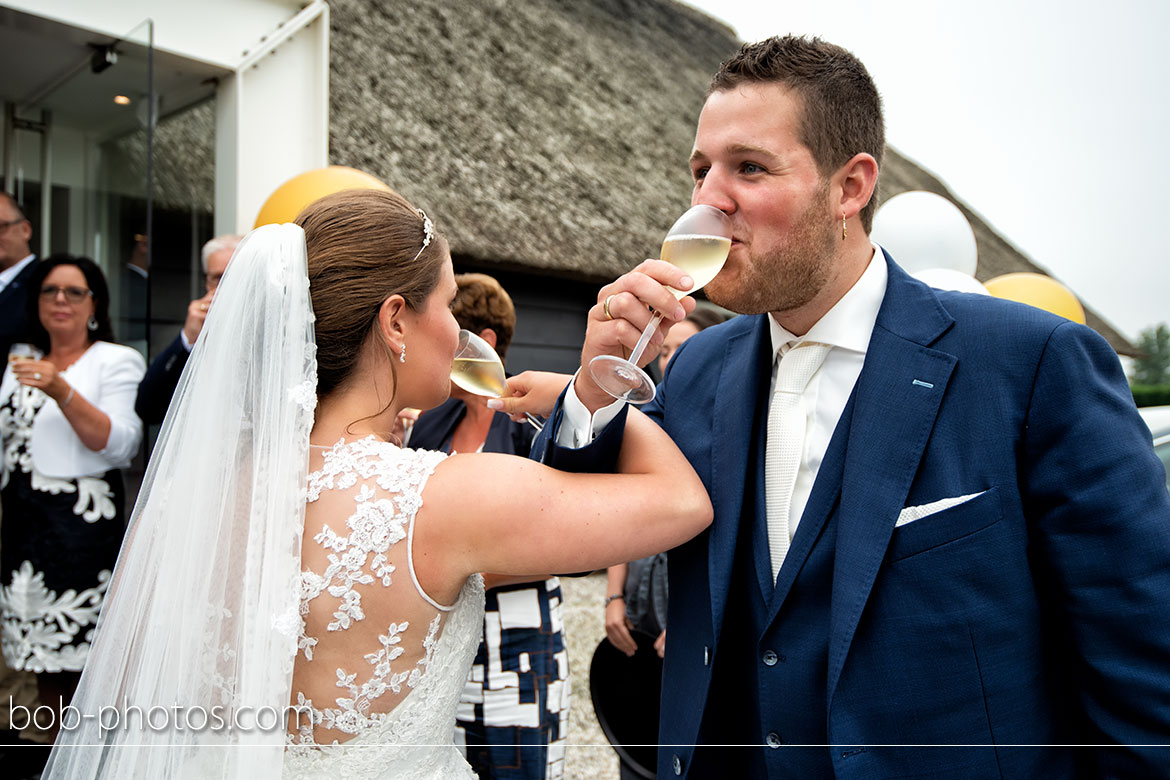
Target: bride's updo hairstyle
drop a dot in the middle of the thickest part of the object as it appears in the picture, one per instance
(363, 246)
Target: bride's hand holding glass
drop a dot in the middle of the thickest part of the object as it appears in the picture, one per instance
(698, 243)
(624, 309)
(636, 311)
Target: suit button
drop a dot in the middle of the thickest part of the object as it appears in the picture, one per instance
(773, 740)
(677, 765)
(770, 658)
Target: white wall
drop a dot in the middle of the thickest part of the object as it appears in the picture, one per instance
(272, 119)
(213, 31)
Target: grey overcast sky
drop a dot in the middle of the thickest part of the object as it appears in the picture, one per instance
(1049, 118)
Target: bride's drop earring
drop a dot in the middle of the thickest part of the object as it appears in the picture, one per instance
(402, 353)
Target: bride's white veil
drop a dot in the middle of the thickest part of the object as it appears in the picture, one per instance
(190, 671)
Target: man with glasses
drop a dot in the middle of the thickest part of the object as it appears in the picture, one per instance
(157, 387)
(16, 266)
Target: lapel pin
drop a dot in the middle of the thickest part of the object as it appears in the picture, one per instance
(920, 383)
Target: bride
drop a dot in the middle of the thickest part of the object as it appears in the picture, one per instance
(297, 595)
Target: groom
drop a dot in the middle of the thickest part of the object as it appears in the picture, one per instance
(938, 517)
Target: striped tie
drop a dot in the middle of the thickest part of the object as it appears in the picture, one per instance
(787, 417)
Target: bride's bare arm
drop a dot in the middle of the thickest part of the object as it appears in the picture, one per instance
(504, 514)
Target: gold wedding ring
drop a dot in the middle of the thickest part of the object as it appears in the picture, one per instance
(605, 307)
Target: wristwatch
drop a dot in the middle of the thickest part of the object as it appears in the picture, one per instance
(613, 597)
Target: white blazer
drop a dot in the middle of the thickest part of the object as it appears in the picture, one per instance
(106, 375)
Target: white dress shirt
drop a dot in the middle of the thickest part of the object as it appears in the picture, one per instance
(846, 327)
(13, 271)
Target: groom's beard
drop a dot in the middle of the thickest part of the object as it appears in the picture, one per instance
(786, 277)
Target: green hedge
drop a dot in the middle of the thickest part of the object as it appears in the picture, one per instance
(1151, 395)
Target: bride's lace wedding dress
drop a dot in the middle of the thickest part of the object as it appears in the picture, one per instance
(380, 664)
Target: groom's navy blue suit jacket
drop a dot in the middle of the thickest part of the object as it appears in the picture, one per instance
(1035, 613)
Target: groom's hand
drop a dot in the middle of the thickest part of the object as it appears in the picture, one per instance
(624, 309)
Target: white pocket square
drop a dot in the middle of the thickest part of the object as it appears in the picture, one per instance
(912, 513)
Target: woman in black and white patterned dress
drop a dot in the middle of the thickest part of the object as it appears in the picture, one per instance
(68, 426)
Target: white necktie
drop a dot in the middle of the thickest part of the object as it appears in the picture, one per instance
(786, 434)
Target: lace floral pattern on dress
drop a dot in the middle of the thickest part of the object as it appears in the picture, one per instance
(358, 555)
(41, 625)
(42, 630)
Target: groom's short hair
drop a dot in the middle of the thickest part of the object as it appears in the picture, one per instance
(841, 110)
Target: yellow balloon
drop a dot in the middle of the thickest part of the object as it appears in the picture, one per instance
(290, 198)
(1040, 291)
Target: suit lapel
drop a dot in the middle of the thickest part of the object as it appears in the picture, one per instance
(897, 398)
(15, 289)
(733, 430)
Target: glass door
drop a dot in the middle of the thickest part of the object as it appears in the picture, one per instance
(78, 141)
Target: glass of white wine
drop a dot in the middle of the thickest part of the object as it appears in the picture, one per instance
(479, 370)
(698, 243)
(23, 352)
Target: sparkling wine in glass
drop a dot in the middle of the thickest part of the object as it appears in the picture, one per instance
(697, 243)
(478, 370)
(23, 352)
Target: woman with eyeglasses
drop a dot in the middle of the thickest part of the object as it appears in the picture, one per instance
(68, 426)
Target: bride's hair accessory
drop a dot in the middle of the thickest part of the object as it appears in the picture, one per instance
(428, 233)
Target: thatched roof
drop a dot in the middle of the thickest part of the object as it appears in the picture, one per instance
(543, 136)
(546, 135)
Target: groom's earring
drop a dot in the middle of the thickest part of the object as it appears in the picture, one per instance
(843, 231)
(402, 353)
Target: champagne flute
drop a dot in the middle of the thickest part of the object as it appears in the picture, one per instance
(23, 352)
(697, 243)
(478, 370)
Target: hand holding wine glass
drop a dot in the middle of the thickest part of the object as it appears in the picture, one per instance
(697, 243)
(30, 368)
(479, 370)
(534, 392)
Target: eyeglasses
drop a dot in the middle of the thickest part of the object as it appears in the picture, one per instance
(10, 222)
(72, 294)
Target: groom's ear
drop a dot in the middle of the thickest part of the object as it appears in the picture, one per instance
(391, 316)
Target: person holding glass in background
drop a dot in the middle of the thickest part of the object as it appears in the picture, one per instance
(68, 426)
(162, 377)
(522, 654)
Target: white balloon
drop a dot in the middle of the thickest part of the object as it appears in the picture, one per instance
(950, 279)
(923, 230)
